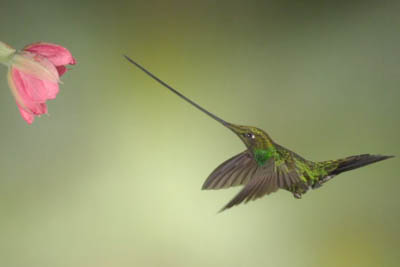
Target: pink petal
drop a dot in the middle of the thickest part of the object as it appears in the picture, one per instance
(38, 90)
(52, 89)
(57, 54)
(28, 117)
(35, 65)
(61, 70)
(31, 93)
(28, 88)
(34, 89)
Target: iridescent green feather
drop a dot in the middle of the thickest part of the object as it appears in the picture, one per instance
(263, 155)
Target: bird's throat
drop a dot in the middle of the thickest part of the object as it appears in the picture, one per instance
(263, 155)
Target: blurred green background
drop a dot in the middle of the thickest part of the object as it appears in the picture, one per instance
(112, 177)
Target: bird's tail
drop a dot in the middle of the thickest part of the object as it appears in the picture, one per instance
(354, 162)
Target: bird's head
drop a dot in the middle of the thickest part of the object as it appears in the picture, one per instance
(252, 137)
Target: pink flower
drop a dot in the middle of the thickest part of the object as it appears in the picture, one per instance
(34, 74)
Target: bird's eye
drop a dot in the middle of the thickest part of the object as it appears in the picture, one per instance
(249, 135)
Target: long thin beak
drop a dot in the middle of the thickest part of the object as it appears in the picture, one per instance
(178, 93)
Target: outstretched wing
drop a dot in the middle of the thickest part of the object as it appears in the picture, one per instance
(266, 180)
(237, 170)
(263, 182)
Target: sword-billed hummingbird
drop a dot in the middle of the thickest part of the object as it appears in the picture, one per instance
(264, 167)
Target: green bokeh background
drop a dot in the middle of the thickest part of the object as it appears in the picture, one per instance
(112, 177)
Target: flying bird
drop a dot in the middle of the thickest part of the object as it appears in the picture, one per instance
(265, 166)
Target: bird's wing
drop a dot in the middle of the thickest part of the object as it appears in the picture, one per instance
(237, 170)
(288, 171)
(266, 180)
(287, 175)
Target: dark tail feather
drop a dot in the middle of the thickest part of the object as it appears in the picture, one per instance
(354, 162)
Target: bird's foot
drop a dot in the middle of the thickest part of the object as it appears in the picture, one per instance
(297, 195)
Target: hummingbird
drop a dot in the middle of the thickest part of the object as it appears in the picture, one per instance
(264, 166)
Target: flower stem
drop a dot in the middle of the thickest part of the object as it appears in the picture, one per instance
(6, 53)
